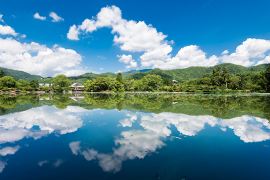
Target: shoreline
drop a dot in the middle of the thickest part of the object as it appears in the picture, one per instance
(231, 93)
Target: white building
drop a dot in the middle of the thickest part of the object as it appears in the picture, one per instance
(77, 87)
(45, 84)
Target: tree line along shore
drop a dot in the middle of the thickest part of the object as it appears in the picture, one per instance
(219, 80)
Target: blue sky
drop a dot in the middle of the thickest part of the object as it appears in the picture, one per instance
(204, 29)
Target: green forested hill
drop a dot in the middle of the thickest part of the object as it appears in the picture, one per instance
(19, 74)
(198, 72)
(88, 76)
(177, 74)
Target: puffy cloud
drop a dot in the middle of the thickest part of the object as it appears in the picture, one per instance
(247, 128)
(39, 17)
(251, 52)
(13, 135)
(190, 56)
(75, 147)
(73, 33)
(39, 59)
(138, 37)
(1, 18)
(133, 144)
(55, 17)
(185, 124)
(132, 36)
(128, 60)
(127, 122)
(16, 126)
(8, 150)
(42, 163)
(155, 128)
(137, 144)
(7, 30)
(2, 166)
(58, 163)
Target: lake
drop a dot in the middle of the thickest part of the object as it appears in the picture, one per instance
(135, 136)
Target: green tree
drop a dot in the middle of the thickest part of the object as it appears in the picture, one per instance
(138, 85)
(2, 73)
(88, 85)
(99, 84)
(129, 85)
(34, 84)
(151, 82)
(23, 85)
(60, 83)
(267, 78)
(7, 82)
(226, 76)
(234, 82)
(119, 77)
(117, 86)
(220, 77)
(103, 84)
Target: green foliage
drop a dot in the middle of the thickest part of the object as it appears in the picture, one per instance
(34, 84)
(223, 106)
(7, 82)
(227, 106)
(151, 82)
(220, 77)
(60, 83)
(23, 85)
(119, 77)
(103, 84)
(234, 82)
(2, 73)
(267, 79)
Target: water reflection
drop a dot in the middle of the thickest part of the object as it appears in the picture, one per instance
(132, 144)
(156, 127)
(142, 129)
(36, 123)
(248, 128)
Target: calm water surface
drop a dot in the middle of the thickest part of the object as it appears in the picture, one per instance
(181, 137)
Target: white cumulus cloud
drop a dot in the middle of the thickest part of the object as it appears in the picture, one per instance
(16, 126)
(39, 59)
(55, 17)
(251, 52)
(156, 51)
(73, 33)
(39, 17)
(8, 150)
(7, 30)
(128, 60)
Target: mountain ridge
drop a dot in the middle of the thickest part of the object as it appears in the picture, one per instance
(177, 74)
(17, 74)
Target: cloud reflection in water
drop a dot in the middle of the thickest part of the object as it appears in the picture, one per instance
(139, 143)
(36, 123)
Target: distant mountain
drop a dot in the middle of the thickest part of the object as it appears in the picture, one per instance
(199, 72)
(19, 74)
(138, 71)
(86, 76)
(177, 74)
